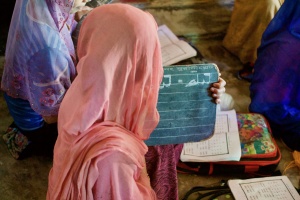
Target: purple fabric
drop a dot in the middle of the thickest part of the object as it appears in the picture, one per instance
(40, 57)
(161, 166)
(275, 88)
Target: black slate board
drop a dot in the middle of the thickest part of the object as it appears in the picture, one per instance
(187, 110)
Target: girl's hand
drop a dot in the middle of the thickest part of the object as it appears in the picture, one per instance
(218, 89)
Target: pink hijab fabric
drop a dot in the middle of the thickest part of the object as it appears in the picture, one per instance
(110, 108)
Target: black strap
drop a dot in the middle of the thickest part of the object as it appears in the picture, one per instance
(227, 191)
(215, 191)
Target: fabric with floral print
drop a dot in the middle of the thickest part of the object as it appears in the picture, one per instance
(16, 142)
(40, 56)
(255, 134)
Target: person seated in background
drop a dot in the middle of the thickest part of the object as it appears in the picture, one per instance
(275, 87)
(248, 21)
(39, 67)
(110, 110)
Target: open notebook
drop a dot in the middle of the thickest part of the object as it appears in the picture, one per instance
(267, 188)
(224, 145)
(173, 49)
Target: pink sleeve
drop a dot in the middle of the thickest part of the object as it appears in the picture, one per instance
(120, 178)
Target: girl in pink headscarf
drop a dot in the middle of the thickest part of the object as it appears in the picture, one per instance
(110, 109)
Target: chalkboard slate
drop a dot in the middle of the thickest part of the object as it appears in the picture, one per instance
(187, 111)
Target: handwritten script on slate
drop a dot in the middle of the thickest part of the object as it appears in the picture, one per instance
(187, 110)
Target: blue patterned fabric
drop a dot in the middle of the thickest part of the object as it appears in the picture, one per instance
(275, 88)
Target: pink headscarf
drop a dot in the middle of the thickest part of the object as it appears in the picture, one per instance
(109, 109)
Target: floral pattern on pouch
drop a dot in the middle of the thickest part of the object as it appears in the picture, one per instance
(254, 134)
